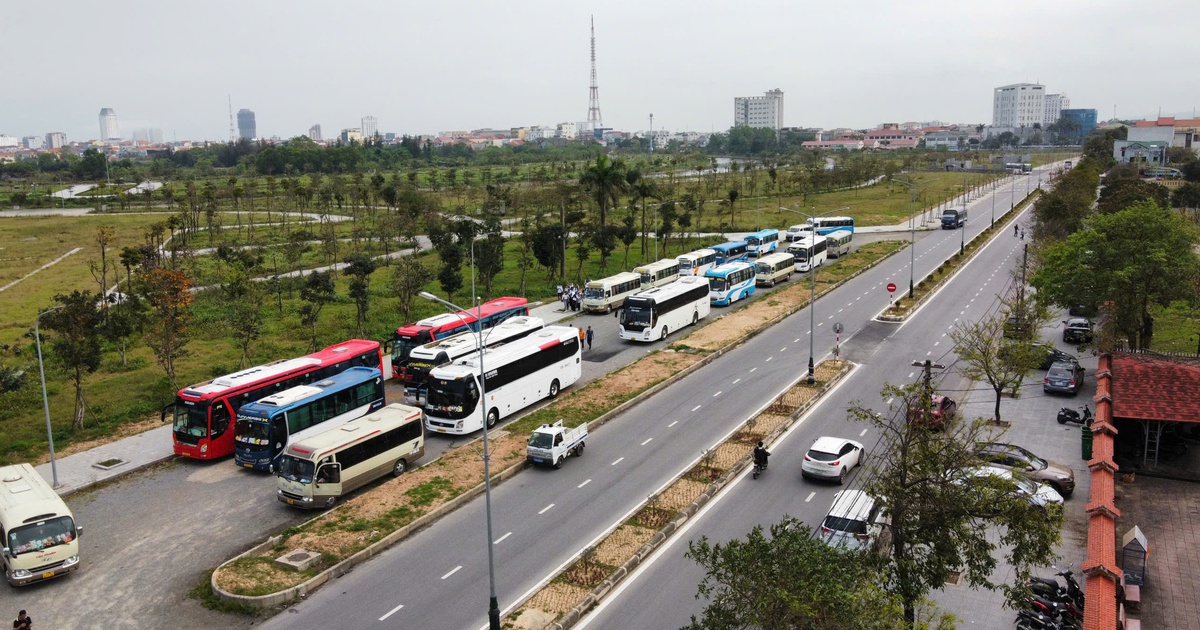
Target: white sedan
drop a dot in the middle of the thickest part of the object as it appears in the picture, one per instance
(831, 458)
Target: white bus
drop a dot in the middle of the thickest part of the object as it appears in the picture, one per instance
(730, 282)
(658, 273)
(41, 539)
(697, 262)
(518, 374)
(602, 296)
(809, 253)
(424, 358)
(774, 268)
(799, 232)
(316, 471)
(653, 314)
(838, 243)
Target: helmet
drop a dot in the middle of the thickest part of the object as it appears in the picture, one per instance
(760, 444)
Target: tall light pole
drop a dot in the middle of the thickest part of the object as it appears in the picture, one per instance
(37, 335)
(812, 294)
(912, 228)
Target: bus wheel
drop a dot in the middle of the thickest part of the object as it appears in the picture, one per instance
(330, 502)
(695, 317)
(664, 333)
(492, 417)
(554, 389)
(399, 468)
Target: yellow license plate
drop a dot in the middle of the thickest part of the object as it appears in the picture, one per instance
(291, 502)
(248, 465)
(440, 430)
(47, 574)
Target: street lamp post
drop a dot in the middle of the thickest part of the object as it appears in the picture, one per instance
(37, 335)
(912, 239)
(812, 294)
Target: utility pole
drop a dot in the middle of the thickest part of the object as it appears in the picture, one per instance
(928, 367)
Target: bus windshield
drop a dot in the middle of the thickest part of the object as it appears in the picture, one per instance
(752, 241)
(191, 419)
(453, 399)
(402, 346)
(635, 314)
(295, 469)
(252, 431)
(685, 264)
(593, 293)
(41, 535)
(716, 284)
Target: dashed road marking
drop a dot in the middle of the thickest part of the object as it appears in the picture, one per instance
(619, 460)
(810, 497)
(501, 539)
(864, 432)
(393, 611)
(696, 408)
(542, 511)
(584, 483)
(675, 422)
(452, 571)
(647, 441)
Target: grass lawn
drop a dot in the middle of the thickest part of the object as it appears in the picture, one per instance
(1176, 328)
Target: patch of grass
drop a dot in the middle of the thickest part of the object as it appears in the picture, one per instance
(1176, 328)
(429, 492)
(259, 575)
(204, 594)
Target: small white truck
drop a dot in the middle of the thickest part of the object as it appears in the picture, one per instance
(552, 443)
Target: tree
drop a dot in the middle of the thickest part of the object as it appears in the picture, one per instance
(360, 267)
(985, 355)
(547, 247)
(76, 348)
(105, 234)
(941, 518)
(244, 301)
(409, 276)
(169, 296)
(125, 318)
(318, 290)
(790, 579)
(1122, 193)
(131, 257)
(1186, 196)
(1134, 258)
(733, 197)
(604, 181)
(489, 254)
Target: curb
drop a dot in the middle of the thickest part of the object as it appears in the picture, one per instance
(67, 491)
(341, 568)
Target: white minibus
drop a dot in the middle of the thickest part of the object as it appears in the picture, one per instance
(774, 268)
(602, 296)
(41, 539)
(658, 273)
(837, 243)
(697, 262)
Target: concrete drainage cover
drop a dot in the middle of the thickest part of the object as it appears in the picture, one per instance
(108, 464)
(298, 560)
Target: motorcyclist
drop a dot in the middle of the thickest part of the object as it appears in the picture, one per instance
(760, 455)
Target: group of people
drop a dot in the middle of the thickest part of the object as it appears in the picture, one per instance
(570, 296)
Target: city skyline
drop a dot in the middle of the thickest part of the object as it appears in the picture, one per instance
(683, 66)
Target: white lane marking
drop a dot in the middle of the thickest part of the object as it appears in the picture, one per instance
(943, 334)
(391, 612)
(839, 310)
(796, 340)
(910, 375)
(736, 381)
(864, 432)
(935, 344)
(696, 408)
(768, 359)
(929, 353)
(823, 323)
(719, 393)
(647, 441)
(783, 349)
(889, 401)
(675, 422)
(452, 571)
(617, 462)
(810, 496)
(542, 511)
(753, 368)
(584, 483)
(501, 539)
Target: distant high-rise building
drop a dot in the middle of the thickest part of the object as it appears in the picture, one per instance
(764, 111)
(314, 133)
(56, 140)
(108, 125)
(247, 129)
(1055, 104)
(153, 135)
(1084, 119)
(370, 126)
(1018, 105)
(32, 142)
(351, 135)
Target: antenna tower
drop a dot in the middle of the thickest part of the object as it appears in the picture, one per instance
(594, 118)
(232, 129)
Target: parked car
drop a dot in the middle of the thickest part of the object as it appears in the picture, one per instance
(1080, 310)
(831, 458)
(944, 410)
(1077, 330)
(1022, 461)
(1045, 351)
(1064, 377)
(1037, 494)
(1014, 328)
(855, 521)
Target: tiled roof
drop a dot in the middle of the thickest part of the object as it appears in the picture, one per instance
(1152, 387)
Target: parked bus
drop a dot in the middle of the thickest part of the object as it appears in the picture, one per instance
(653, 314)
(837, 244)
(731, 251)
(265, 427)
(774, 268)
(203, 413)
(799, 232)
(41, 539)
(825, 225)
(810, 253)
(424, 358)
(316, 471)
(517, 374)
(697, 262)
(441, 326)
(762, 242)
(658, 273)
(730, 282)
(602, 296)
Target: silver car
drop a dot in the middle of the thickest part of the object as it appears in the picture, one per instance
(855, 521)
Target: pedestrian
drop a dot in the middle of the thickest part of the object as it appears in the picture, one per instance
(23, 622)
(589, 337)
(582, 336)
(1015, 229)
(1022, 235)
(559, 288)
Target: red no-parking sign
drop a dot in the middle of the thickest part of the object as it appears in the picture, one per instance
(891, 287)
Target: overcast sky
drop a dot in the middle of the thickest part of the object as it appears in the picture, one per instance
(423, 67)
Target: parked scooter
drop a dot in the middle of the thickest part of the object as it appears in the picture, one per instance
(1051, 589)
(1067, 414)
(1064, 613)
(1032, 620)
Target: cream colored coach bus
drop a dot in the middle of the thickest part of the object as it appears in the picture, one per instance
(41, 540)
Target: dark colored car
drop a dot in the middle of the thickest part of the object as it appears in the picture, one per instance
(944, 410)
(1014, 328)
(1024, 462)
(1064, 377)
(1080, 310)
(1077, 330)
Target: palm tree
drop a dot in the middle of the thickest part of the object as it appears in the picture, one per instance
(644, 189)
(604, 181)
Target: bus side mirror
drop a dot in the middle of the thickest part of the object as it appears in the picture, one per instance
(8, 553)
(78, 531)
(163, 417)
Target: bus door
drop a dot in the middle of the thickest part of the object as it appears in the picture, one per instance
(220, 419)
(328, 480)
(279, 435)
(387, 360)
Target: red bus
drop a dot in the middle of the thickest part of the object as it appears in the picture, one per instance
(446, 324)
(203, 413)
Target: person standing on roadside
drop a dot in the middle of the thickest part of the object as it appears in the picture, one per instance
(23, 622)
(1015, 229)
(582, 337)
(590, 333)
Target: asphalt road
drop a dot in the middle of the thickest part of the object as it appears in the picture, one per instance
(542, 519)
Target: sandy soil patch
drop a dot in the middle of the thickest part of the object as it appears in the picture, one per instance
(729, 453)
(556, 598)
(680, 494)
(620, 545)
(530, 619)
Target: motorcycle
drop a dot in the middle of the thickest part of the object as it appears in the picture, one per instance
(1051, 589)
(758, 469)
(1067, 414)
(1032, 620)
(1065, 613)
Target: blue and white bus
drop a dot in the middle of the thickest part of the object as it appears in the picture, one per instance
(762, 242)
(825, 225)
(809, 253)
(730, 282)
(697, 262)
(265, 427)
(731, 251)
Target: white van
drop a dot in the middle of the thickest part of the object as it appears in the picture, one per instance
(41, 540)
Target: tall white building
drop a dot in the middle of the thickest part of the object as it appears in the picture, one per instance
(567, 130)
(108, 125)
(370, 126)
(314, 133)
(55, 140)
(1019, 105)
(1055, 104)
(764, 111)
